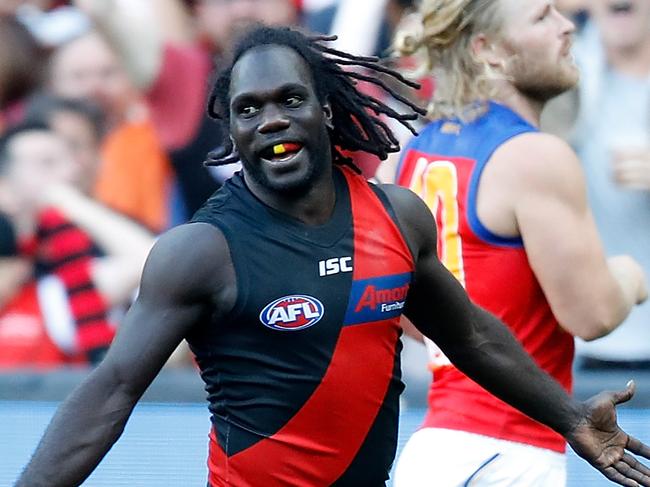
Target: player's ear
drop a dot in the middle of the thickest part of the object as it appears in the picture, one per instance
(486, 51)
(327, 110)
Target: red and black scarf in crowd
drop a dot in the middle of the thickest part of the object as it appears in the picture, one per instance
(65, 251)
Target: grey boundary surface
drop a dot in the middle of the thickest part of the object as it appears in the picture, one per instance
(185, 386)
(165, 442)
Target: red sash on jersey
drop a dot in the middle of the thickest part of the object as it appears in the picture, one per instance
(318, 444)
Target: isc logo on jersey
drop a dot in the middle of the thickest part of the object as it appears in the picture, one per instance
(292, 313)
(334, 266)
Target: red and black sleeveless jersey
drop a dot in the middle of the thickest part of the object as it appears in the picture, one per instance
(303, 376)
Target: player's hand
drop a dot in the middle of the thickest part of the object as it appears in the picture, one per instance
(598, 439)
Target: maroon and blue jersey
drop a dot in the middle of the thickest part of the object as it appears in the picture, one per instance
(303, 375)
(443, 165)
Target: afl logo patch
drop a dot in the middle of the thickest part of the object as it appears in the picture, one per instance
(292, 313)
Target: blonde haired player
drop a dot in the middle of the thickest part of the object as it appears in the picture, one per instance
(513, 227)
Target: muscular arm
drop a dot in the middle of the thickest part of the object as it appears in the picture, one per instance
(475, 341)
(535, 182)
(186, 268)
(483, 348)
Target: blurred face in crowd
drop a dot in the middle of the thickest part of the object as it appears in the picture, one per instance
(221, 20)
(36, 160)
(83, 142)
(9, 7)
(88, 68)
(623, 24)
(21, 60)
(536, 40)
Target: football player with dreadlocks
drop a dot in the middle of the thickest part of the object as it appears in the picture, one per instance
(289, 285)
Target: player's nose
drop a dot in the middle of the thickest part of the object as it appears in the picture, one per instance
(273, 120)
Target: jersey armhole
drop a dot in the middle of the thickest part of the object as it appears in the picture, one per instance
(379, 193)
(473, 219)
(239, 264)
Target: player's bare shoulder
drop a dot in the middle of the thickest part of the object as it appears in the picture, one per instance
(191, 261)
(534, 160)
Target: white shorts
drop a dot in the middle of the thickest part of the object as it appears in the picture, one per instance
(436, 457)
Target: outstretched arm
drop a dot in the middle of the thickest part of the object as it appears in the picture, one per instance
(176, 291)
(483, 348)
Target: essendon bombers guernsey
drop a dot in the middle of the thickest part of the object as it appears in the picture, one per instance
(303, 376)
(444, 165)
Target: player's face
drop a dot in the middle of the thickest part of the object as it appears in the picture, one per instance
(537, 39)
(623, 24)
(277, 121)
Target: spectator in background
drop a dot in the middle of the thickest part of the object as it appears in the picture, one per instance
(134, 177)
(80, 251)
(373, 37)
(610, 111)
(49, 21)
(36, 327)
(81, 124)
(9, 7)
(324, 20)
(219, 21)
(21, 61)
(14, 271)
(171, 65)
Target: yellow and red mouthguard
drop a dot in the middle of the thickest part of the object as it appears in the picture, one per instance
(280, 149)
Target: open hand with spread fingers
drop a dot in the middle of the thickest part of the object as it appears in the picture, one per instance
(598, 439)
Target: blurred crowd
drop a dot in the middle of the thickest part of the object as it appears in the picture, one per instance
(103, 131)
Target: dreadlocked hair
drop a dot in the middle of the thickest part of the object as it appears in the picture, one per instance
(356, 122)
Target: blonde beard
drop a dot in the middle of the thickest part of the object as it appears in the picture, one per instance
(538, 81)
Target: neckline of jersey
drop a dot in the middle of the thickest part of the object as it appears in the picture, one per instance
(326, 234)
